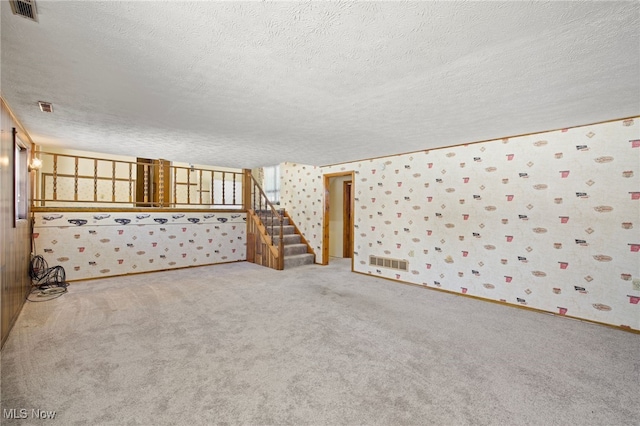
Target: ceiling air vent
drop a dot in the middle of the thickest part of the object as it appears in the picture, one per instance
(45, 106)
(24, 8)
(387, 262)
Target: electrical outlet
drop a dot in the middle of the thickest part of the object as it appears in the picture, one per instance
(636, 284)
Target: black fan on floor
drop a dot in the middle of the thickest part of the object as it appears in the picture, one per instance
(48, 283)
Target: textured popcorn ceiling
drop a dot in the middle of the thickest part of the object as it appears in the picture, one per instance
(252, 84)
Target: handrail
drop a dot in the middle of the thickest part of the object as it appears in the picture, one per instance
(268, 215)
(68, 180)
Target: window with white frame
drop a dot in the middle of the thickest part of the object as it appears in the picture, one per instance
(21, 179)
(272, 183)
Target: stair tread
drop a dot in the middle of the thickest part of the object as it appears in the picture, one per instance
(298, 260)
(291, 256)
(291, 249)
(276, 227)
(288, 238)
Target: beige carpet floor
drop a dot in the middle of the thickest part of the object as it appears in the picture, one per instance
(241, 344)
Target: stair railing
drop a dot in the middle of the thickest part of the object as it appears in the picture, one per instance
(272, 218)
(73, 181)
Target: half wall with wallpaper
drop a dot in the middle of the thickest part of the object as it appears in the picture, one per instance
(100, 216)
(95, 244)
(550, 221)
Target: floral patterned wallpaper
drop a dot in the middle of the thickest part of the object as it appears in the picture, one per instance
(301, 194)
(92, 245)
(549, 221)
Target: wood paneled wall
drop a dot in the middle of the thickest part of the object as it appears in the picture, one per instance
(15, 245)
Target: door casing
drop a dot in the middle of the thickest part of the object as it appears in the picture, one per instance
(326, 206)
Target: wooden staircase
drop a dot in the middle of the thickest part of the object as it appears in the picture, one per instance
(296, 249)
(273, 240)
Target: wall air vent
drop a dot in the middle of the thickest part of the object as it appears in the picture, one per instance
(45, 106)
(387, 262)
(24, 8)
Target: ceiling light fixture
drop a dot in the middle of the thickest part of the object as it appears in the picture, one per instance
(45, 106)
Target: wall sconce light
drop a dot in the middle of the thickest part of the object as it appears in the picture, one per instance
(36, 164)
